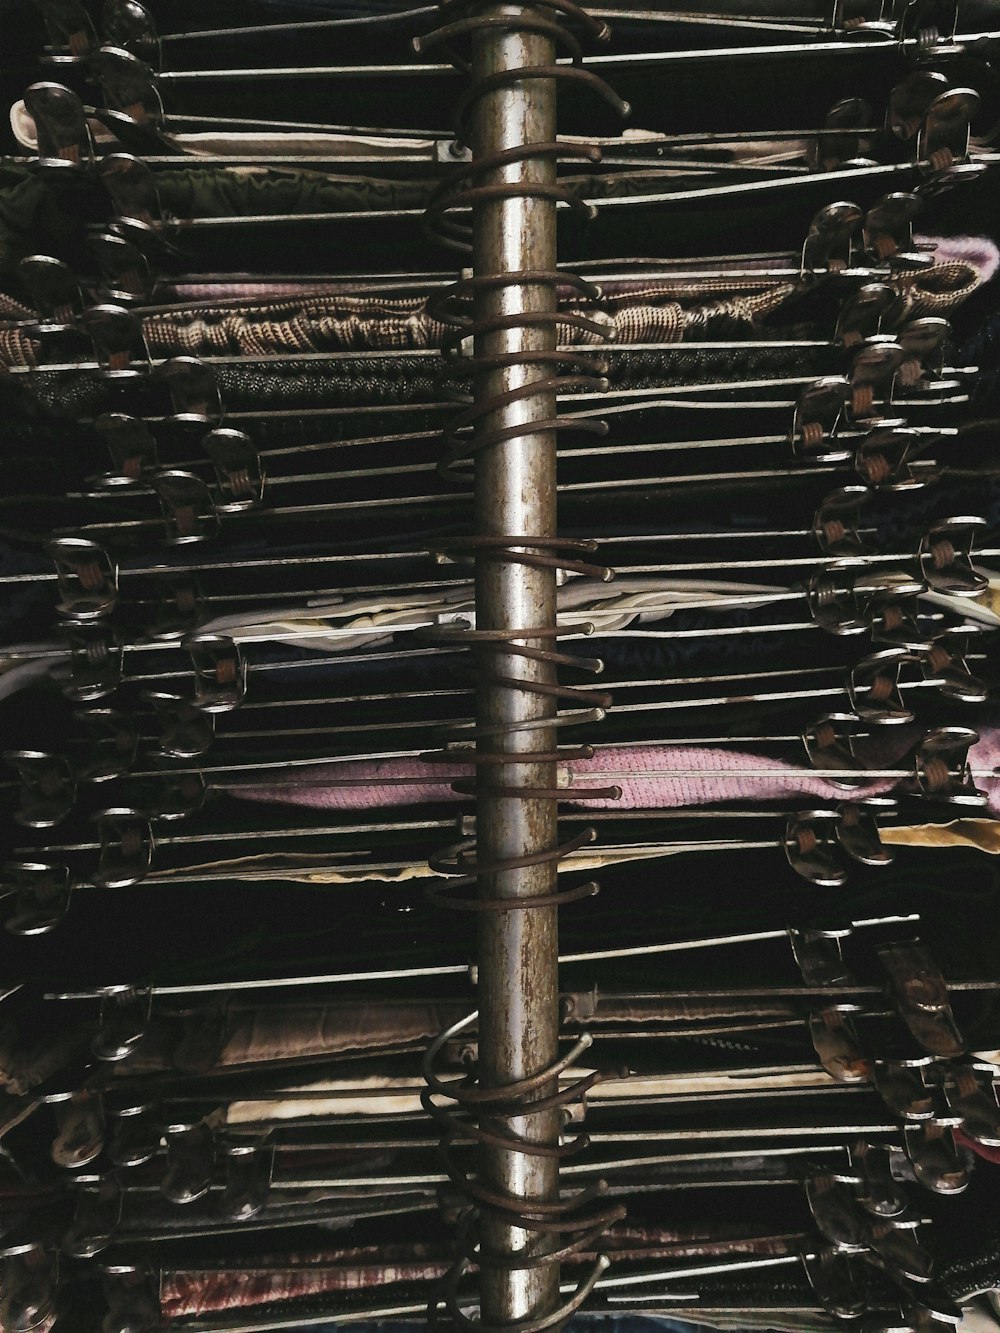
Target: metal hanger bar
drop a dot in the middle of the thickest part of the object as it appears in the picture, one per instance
(297, 26)
(393, 974)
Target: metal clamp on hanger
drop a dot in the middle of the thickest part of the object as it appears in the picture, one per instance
(836, 1043)
(945, 555)
(873, 688)
(852, 117)
(190, 1163)
(812, 846)
(65, 143)
(131, 1291)
(865, 311)
(893, 1241)
(942, 764)
(48, 787)
(835, 1211)
(135, 1133)
(41, 892)
(79, 1117)
(178, 609)
(936, 20)
(114, 744)
(122, 1022)
(194, 390)
(70, 31)
(888, 230)
(937, 1163)
(187, 729)
(96, 661)
(129, 26)
(237, 469)
(922, 341)
(837, 521)
(99, 1203)
(872, 377)
(819, 954)
(848, 598)
(818, 414)
(119, 347)
(53, 292)
(949, 671)
(857, 830)
(189, 509)
(134, 197)
(88, 578)
(177, 796)
(942, 147)
(830, 240)
(220, 672)
(897, 1080)
(972, 1094)
(839, 1282)
(887, 458)
(920, 995)
(132, 448)
(879, 1193)
(249, 1175)
(829, 744)
(128, 85)
(29, 1282)
(126, 277)
(126, 847)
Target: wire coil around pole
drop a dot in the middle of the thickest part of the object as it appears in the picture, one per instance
(466, 1111)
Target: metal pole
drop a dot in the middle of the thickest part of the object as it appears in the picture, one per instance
(515, 495)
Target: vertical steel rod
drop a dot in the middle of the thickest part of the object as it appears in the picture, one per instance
(515, 496)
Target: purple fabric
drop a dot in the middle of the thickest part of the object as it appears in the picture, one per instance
(650, 777)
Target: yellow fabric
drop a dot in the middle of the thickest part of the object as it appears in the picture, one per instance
(981, 833)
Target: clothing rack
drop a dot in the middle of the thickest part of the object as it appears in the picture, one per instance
(318, 717)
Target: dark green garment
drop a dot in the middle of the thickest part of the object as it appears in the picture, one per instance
(241, 192)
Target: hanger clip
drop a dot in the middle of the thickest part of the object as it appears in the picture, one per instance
(921, 998)
(88, 578)
(125, 274)
(99, 1201)
(937, 1163)
(122, 1023)
(190, 1163)
(70, 31)
(945, 556)
(237, 469)
(132, 1294)
(835, 1041)
(873, 688)
(249, 1173)
(220, 672)
(129, 26)
(187, 505)
(126, 847)
(811, 848)
(48, 787)
(831, 238)
(132, 449)
(29, 1282)
(41, 892)
(193, 388)
(839, 1281)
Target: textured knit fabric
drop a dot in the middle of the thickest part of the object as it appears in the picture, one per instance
(650, 778)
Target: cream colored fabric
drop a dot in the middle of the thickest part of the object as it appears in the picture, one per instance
(983, 834)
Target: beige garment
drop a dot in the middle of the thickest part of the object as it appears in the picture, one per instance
(375, 1096)
(301, 868)
(981, 833)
